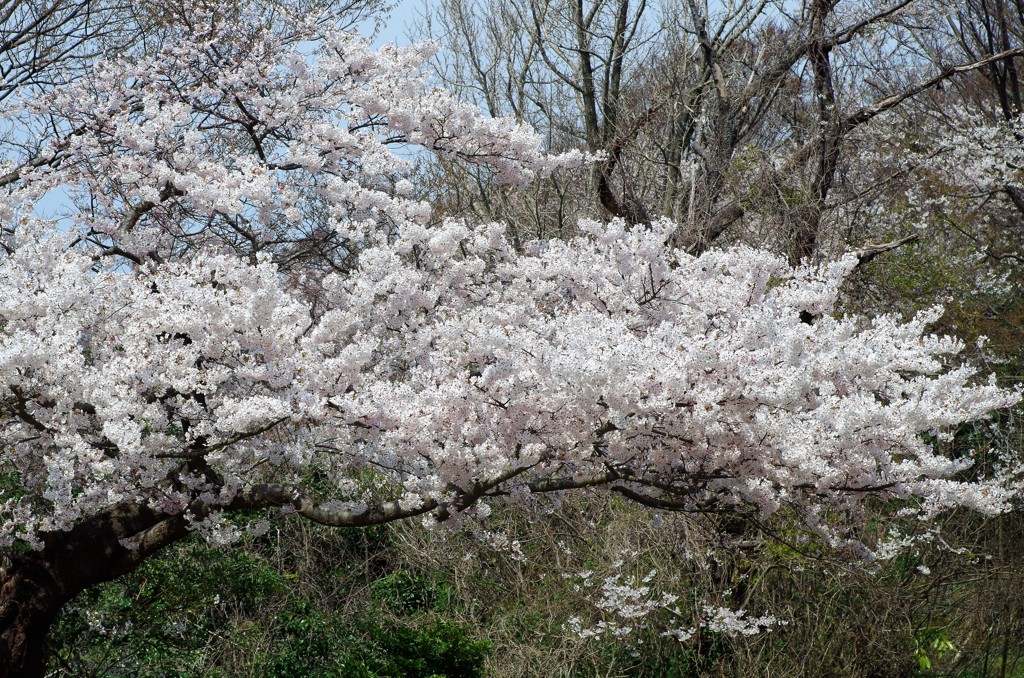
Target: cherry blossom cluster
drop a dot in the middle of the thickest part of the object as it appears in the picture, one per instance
(958, 182)
(248, 310)
(236, 134)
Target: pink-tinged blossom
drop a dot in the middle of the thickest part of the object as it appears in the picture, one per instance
(249, 297)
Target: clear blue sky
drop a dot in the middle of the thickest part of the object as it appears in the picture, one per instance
(403, 15)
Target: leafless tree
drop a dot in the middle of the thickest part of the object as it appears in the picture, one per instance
(719, 116)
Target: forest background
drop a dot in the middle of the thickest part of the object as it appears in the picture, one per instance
(814, 129)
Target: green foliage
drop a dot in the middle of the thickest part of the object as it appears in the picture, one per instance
(198, 610)
(11, 485)
(163, 614)
(433, 650)
(401, 601)
(405, 593)
(932, 644)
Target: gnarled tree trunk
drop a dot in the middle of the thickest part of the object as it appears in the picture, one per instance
(35, 586)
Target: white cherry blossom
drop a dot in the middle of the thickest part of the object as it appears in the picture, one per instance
(247, 310)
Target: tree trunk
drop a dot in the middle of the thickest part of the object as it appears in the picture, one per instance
(35, 586)
(29, 603)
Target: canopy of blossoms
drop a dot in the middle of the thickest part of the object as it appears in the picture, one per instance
(247, 307)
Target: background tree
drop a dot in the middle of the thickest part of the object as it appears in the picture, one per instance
(733, 121)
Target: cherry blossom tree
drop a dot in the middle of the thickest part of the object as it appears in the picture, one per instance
(245, 310)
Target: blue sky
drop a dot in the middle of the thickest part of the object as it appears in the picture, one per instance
(404, 14)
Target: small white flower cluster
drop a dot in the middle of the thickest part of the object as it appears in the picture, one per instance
(736, 622)
(501, 542)
(626, 604)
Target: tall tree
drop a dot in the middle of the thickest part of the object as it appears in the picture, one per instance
(734, 120)
(245, 310)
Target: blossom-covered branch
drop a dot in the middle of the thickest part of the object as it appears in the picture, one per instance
(247, 309)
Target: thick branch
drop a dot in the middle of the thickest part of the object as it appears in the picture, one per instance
(276, 495)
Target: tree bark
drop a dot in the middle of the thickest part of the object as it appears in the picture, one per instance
(29, 603)
(35, 586)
